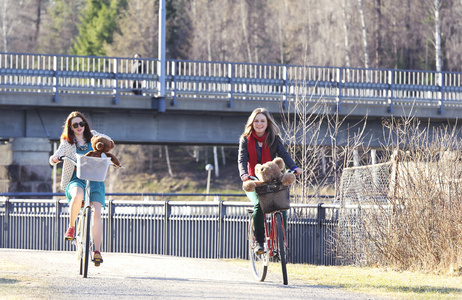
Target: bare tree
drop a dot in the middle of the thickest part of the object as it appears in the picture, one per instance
(346, 21)
(243, 12)
(378, 33)
(288, 31)
(5, 24)
(436, 11)
(312, 131)
(364, 33)
(138, 30)
(59, 25)
(413, 199)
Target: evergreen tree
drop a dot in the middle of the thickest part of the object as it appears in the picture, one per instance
(62, 26)
(98, 24)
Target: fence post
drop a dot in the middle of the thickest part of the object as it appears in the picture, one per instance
(5, 224)
(56, 235)
(220, 231)
(56, 79)
(174, 82)
(321, 212)
(230, 85)
(110, 219)
(284, 87)
(440, 83)
(167, 212)
(339, 87)
(116, 80)
(390, 91)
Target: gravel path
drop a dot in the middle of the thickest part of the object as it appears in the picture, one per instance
(27, 274)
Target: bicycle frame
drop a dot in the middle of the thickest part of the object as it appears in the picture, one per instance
(275, 234)
(275, 246)
(271, 233)
(84, 236)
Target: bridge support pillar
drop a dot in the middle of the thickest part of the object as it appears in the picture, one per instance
(24, 165)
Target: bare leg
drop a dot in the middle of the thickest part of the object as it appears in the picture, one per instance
(97, 225)
(76, 204)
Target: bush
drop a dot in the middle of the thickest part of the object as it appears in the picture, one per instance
(412, 219)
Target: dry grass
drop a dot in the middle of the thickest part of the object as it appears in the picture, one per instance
(378, 282)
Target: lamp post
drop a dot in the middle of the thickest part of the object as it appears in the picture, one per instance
(209, 169)
(162, 56)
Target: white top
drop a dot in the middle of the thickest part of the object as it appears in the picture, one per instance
(69, 150)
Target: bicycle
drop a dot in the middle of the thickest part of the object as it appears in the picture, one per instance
(88, 169)
(274, 198)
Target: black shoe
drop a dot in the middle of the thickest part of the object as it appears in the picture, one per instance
(259, 248)
(260, 239)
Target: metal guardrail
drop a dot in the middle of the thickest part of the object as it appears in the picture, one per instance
(200, 229)
(58, 74)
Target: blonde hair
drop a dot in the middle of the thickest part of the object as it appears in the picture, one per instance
(272, 129)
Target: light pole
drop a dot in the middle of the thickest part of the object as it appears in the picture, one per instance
(209, 169)
(162, 56)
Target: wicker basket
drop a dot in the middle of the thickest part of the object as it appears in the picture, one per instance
(92, 168)
(273, 196)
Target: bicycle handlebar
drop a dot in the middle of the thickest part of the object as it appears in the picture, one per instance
(62, 158)
(256, 178)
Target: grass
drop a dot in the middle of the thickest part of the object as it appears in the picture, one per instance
(377, 282)
(14, 284)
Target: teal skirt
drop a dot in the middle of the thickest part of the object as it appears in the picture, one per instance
(97, 189)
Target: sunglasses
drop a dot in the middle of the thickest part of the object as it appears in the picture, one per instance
(76, 125)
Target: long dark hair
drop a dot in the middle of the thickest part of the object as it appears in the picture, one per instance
(68, 134)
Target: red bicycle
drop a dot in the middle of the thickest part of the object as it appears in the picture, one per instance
(274, 198)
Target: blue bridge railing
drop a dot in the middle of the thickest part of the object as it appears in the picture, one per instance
(114, 76)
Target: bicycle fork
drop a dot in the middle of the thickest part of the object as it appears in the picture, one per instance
(271, 235)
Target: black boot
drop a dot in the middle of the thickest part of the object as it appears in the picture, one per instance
(260, 239)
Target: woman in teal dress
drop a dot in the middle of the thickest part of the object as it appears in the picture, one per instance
(75, 139)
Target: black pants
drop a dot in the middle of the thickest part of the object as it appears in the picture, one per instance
(137, 88)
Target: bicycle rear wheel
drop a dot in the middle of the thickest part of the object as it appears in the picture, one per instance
(282, 247)
(86, 241)
(259, 262)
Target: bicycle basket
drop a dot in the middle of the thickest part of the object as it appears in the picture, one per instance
(92, 168)
(273, 196)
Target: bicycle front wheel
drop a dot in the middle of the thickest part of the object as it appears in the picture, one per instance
(282, 247)
(79, 242)
(86, 241)
(259, 262)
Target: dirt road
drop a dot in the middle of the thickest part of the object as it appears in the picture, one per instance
(29, 274)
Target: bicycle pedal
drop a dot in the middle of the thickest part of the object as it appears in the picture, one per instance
(97, 262)
(276, 257)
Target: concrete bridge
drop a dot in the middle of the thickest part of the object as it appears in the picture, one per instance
(197, 102)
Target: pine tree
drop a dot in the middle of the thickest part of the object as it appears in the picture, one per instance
(98, 24)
